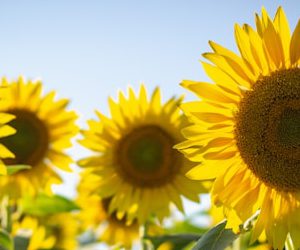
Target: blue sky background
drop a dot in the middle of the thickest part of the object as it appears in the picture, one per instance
(87, 50)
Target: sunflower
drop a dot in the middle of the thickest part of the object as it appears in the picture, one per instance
(44, 129)
(63, 227)
(30, 228)
(94, 216)
(246, 128)
(139, 170)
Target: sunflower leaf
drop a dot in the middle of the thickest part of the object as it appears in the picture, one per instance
(178, 241)
(185, 226)
(43, 205)
(21, 243)
(217, 238)
(12, 169)
(5, 241)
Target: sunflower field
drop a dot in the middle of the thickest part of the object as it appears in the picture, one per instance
(218, 170)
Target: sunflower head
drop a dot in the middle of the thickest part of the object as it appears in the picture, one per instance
(31, 141)
(44, 130)
(246, 127)
(94, 215)
(29, 227)
(134, 156)
(63, 227)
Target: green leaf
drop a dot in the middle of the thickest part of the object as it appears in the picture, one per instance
(185, 226)
(179, 241)
(43, 205)
(12, 169)
(21, 243)
(5, 240)
(218, 238)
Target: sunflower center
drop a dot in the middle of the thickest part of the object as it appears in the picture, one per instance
(30, 142)
(146, 156)
(55, 230)
(289, 128)
(268, 129)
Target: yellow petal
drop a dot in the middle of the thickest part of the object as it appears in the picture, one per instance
(282, 26)
(243, 43)
(229, 67)
(3, 169)
(204, 172)
(235, 62)
(155, 102)
(222, 79)
(256, 46)
(258, 23)
(5, 117)
(60, 159)
(208, 91)
(273, 45)
(6, 130)
(294, 46)
(212, 117)
(5, 153)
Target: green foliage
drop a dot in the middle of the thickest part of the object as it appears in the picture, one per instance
(178, 241)
(185, 226)
(217, 238)
(5, 241)
(12, 169)
(21, 243)
(180, 235)
(44, 205)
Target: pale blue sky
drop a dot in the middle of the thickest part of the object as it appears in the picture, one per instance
(87, 50)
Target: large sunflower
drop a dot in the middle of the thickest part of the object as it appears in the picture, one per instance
(247, 131)
(44, 129)
(139, 170)
(94, 216)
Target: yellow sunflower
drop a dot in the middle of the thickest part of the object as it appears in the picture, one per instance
(44, 129)
(137, 166)
(246, 129)
(94, 216)
(64, 228)
(30, 228)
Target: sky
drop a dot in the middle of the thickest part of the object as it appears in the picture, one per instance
(88, 50)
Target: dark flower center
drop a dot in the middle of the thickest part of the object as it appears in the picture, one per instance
(30, 142)
(146, 156)
(268, 129)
